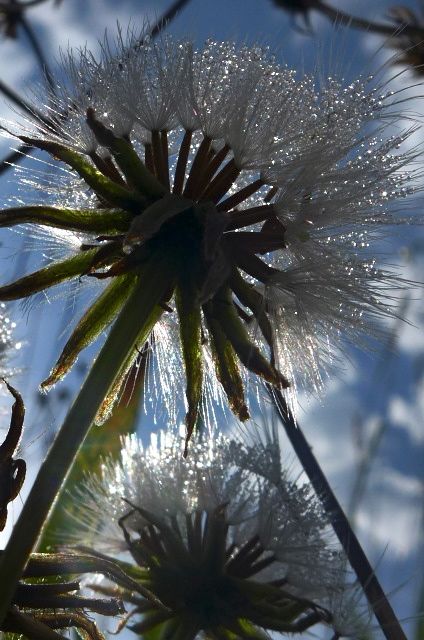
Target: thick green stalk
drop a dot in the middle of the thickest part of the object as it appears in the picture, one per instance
(150, 290)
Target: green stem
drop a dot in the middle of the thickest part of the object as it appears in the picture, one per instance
(153, 284)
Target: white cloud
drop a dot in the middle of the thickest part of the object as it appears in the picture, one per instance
(409, 416)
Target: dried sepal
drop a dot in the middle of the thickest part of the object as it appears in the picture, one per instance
(40, 606)
(17, 622)
(12, 470)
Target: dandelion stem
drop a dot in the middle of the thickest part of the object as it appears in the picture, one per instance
(347, 20)
(376, 597)
(38, 51)
(167, 17)
(150, 290)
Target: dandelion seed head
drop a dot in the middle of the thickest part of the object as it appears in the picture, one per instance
(273, 188)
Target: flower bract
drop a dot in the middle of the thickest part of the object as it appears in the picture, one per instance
(248, 196)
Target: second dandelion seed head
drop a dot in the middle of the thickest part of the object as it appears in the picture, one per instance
(224, 540)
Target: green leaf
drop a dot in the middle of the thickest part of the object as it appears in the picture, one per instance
(95, 320)
(88, 220)
(49, 276)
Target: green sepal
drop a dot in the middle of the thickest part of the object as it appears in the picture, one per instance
(150, 621)
(158, 277)
(88, 220)
(225, 313)
(105, 409)
(252, 299)
(93, 322)
(226, 365)
(105, 188)
(49, 276)
(260, 594)
(127, 159)
(245, 629)
(189, 316)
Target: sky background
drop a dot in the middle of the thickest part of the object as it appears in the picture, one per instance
(373, 410)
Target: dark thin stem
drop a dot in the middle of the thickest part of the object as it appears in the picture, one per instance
(148, 158)
(214, 162)
(13, 157)
(160, 156)
(342, 18)
(376, 597)
(18, 7)
(18, 101)
(167, 17)
(38, 52)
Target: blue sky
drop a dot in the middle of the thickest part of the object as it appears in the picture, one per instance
(383, 391)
